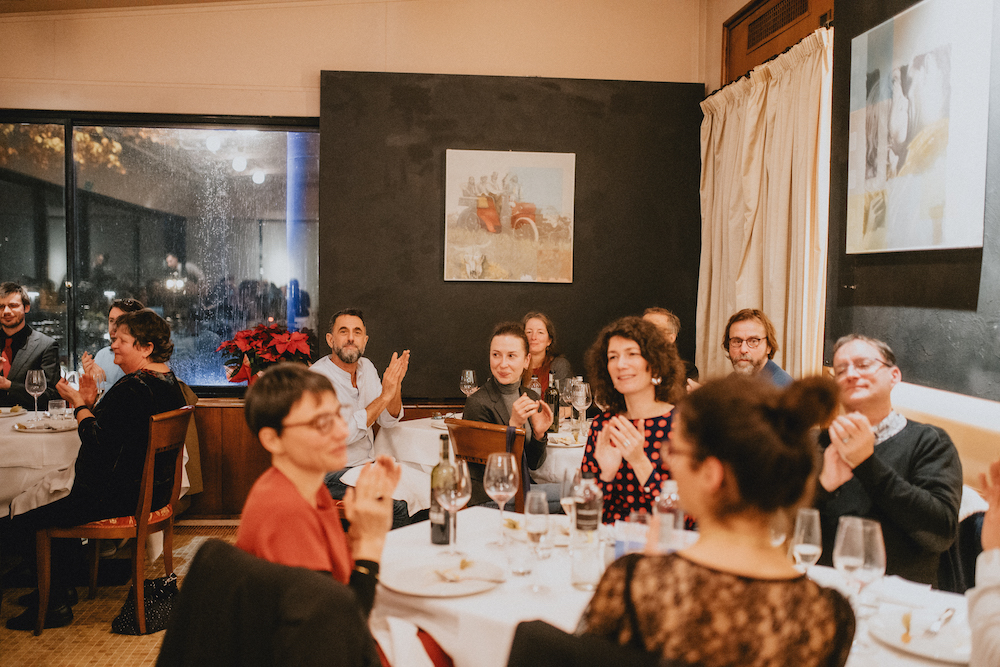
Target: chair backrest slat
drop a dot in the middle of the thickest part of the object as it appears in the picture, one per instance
(167, 432)
(474, 442)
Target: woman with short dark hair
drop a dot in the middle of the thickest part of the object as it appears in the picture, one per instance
(637, 374)
(740, 450)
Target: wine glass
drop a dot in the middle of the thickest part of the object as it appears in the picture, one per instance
(807, 542)
(859, 552)
(468, 382)
(873, 568)
(536, 522)
(34, 384)
(778, 527)
(581, 401)
(453, 494)
(566, 396)
(500, 482)
(569, 489)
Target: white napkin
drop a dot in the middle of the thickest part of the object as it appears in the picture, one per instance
(414, 486)
(896, 590)
(54, 486)
(399, 641)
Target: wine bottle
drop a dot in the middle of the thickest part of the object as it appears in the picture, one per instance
(552, 398)
(440, 518)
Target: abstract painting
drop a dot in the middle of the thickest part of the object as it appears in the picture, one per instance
(918, 125)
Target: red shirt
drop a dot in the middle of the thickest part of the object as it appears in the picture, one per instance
(278, 525)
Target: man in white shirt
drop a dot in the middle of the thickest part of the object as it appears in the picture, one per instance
(364, 399)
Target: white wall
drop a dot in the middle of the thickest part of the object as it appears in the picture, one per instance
(265, 58)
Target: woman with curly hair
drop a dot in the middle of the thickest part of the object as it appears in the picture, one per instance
(545, 357)
(740, 451)
(637, 374)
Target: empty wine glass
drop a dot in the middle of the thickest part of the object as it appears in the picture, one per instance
(873, 568)
(581, 401)
(468, 382)
(500, 482)
(536, 522)
(34, 384)
(807, 542)
(859, 552)
(452, 495)
(778, 527)
(566, 396)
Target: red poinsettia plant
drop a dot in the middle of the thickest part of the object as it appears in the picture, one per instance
(253, 350)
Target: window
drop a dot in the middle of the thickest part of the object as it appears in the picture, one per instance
(209, 227)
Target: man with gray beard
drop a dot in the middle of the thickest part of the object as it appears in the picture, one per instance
(750, 343)
(364, 399)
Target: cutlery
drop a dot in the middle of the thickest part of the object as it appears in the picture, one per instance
(939, 623)
(453, 577)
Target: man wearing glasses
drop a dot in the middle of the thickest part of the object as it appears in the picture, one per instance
(879, 465)
(750, 343)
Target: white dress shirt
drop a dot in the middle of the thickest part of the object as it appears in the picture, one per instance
(354, 400)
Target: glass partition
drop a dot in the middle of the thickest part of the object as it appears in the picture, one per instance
(198, 225)
(33, 221)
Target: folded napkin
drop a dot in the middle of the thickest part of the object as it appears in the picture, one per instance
(54, 486)
(896, 590)
(398, 640)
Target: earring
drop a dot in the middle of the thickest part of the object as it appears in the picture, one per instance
(656, 381)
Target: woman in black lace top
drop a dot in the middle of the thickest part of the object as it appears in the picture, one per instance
(740, 451)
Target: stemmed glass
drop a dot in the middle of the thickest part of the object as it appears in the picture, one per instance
(778, 527)
(581, 401)
(807, 542)
(859, 552)
(536, 526)
(568, 491)
(566, 395)
(452, 496)
(34, 384)
(468, 383)
(500, 482)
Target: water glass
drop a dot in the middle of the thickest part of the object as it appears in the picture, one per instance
(536, 523)
(807, 542)
(57, 409)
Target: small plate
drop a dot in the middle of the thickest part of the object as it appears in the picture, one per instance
(952, 644)
(6, 412)
(566, 441)
(45, 426)
(423, 580)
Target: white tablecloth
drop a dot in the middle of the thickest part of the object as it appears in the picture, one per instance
(27, 458)
(477, 630)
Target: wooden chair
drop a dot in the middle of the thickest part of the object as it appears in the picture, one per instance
(475, 441)
(167, 432)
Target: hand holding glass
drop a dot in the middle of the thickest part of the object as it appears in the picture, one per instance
(34, 384)
(500, 482)
(453, 494)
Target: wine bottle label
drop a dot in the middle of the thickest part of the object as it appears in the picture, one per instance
(587, 518)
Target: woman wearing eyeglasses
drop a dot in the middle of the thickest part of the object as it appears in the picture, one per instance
(740, 450)
(102, 366)
(636, 373)
(114, 435)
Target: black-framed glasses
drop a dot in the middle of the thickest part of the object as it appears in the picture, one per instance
(128, 305)
(752, 343)
(864, 366)
(322, 423)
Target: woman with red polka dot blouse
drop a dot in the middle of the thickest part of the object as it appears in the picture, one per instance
(638, 375)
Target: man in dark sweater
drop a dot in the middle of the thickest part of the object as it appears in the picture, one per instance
(879, 465)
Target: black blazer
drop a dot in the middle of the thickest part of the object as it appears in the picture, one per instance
(39, 352)
(486, 405)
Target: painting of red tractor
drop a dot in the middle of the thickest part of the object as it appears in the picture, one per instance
(509, 216)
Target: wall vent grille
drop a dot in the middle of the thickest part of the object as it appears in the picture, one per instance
(774, 19)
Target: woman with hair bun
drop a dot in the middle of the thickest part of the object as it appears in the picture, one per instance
(740, 450)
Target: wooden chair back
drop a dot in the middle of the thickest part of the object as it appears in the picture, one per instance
(474, 442)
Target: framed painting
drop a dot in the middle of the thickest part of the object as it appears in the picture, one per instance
(509, 216)
(918, 127)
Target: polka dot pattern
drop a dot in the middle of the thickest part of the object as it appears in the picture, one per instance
(624, 494)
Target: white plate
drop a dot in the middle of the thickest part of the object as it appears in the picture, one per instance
(6, 412)
(423, 581)
(952, 644)
(556, 440)
(46, 426)
(437, 423)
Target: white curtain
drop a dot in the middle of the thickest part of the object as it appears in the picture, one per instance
(765, 179)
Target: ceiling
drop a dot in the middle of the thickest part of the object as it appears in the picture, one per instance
(16, 6)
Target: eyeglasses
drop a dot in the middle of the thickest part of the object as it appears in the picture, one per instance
(322, 424)
(128, 305)
(752, 343)
(864, 366)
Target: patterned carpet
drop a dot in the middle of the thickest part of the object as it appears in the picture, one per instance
(89, 640)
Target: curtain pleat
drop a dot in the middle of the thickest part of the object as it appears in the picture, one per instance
(765, 149)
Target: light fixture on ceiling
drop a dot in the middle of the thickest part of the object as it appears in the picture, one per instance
(239, 163)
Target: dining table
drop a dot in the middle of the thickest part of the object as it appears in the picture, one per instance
(475, 622)
(416, 446)
(29, 457)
